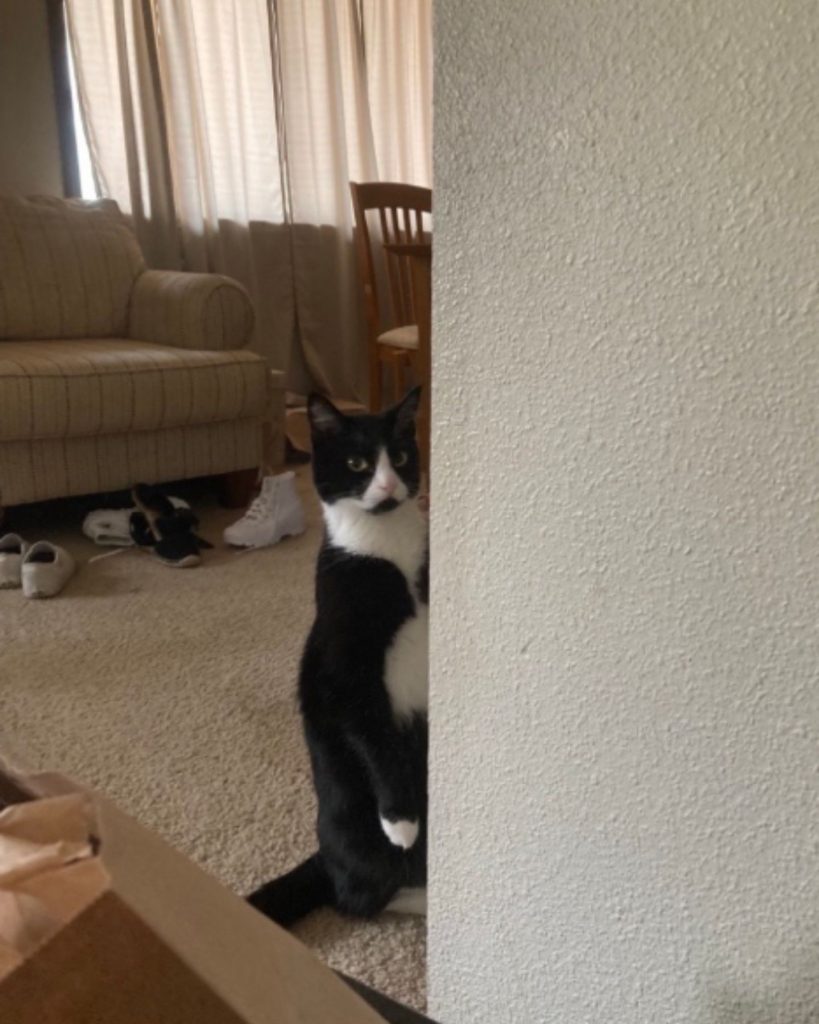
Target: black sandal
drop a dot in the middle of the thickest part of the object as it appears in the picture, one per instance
(168, 530)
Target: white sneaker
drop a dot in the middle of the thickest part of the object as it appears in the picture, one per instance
(12, 552)
(46, 569)
(276, 513)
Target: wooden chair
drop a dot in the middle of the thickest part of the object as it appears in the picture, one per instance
(392, 326)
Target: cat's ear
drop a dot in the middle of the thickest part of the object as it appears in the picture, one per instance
(403, 415)
(325, 419)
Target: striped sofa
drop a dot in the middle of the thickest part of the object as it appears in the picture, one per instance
(111, 373)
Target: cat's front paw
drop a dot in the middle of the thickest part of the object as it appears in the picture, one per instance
(401, 833)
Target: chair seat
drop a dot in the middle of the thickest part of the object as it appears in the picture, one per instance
(400, 337)
(87, 387)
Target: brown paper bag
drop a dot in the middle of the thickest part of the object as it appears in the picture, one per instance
(128, 931)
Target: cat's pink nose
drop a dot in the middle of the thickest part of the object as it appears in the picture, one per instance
(388, 484)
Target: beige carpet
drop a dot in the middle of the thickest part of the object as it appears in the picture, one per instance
(174, 692)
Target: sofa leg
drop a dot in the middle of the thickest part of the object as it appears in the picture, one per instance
(236, 489)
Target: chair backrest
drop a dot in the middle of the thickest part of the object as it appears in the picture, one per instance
(398, 213)
(67, 268)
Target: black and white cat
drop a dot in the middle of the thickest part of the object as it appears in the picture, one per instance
(363, 680)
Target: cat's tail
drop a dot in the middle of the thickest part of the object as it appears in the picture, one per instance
(292, 896)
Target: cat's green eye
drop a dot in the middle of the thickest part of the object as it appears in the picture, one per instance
(401, 459)
(358, 463)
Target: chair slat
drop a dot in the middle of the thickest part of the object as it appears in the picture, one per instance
(401, 268)
(393, 268)
(401, 210)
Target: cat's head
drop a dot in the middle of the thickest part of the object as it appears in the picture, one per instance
(368, 460)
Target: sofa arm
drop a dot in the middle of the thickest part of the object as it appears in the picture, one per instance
(199, 311)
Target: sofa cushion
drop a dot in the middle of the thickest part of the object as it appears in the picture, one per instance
(116, 385)
(67, 268)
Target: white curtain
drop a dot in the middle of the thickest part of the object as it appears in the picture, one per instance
(117, 79)
(230, 129)
(216, 70)
(398, 42)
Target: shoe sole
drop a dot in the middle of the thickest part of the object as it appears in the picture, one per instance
(31, 590)
(188, 562)
(258, 547)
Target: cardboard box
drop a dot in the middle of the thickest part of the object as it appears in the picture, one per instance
(102, 921)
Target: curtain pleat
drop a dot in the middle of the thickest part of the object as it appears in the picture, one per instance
(217, 79)
(328, 143)
(398, 45)
(115, 61)
(229, 131)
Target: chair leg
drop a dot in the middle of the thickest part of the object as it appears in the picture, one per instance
(236, 489)
(376, 396)
(397, 379)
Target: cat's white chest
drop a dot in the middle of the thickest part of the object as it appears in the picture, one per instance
(406, 667)
(400, 538)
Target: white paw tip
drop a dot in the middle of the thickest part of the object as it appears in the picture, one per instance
(401, 833)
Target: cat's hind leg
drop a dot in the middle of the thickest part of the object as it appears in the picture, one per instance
(363, 894)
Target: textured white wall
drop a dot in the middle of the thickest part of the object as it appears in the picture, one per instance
(29, 143)
(625, 766)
